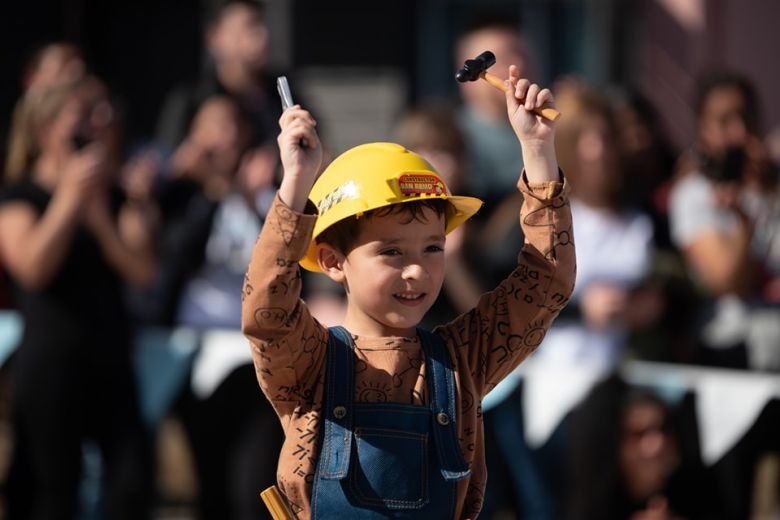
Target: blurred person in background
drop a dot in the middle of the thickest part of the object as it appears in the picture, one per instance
(52, 64)
(492, 153)
(725, 217)
(773, 144)
(611, 297)
(627, 460)
(207, 176)
(237, 49)
(49, 65)
(649, 156)
(492, 157)
(70, 239)
(222, 130)
(213, 207)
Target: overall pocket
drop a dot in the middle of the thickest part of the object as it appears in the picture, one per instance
(389, 468)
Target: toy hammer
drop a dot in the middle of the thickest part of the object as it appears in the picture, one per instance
(477, 68)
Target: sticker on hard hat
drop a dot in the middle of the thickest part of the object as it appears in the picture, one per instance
(421, 184)
(348, 190)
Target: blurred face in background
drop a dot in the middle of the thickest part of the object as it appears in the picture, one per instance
(596, 150)
(509, 48)
(593, 158)
(240, 37)
(85, 116)
(56, 134)
(648, 450)
(635, 136)
(63, 120)
(723, 121)
(219, 130)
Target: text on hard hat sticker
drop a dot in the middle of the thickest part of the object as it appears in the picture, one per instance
(419, 184)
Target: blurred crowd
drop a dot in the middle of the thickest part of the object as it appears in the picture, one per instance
(678, 262)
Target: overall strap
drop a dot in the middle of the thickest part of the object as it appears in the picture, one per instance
(441, 386)
(337, 408)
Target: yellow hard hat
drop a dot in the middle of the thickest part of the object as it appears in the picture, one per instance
(374, 175)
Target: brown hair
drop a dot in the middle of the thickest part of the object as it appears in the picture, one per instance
(31, 113)
(431, 126)
(342, 234)
(724, 80)
(579, 103)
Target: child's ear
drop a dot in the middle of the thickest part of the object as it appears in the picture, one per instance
(330, 261)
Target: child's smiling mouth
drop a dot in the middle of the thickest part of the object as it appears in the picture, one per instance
(410, 298)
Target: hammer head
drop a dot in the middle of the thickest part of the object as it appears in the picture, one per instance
(472, 69)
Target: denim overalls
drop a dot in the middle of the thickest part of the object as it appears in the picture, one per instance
(387, 460)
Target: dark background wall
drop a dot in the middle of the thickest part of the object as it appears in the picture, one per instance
(139, 47)
(143, 47)
(677, 41)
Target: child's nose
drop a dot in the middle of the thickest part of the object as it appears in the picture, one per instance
(414, 271)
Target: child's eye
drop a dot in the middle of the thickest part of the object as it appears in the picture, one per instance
(390, 252)
(434, 249)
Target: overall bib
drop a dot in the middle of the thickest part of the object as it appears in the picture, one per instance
(387, 460)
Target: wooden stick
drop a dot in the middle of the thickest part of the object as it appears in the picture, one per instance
(276, 504)
(546, 112)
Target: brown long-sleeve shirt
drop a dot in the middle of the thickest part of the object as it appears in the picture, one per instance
(485, 344)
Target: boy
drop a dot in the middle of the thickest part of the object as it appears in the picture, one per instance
(385, 420)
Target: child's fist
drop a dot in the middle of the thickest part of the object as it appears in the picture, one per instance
(522, 97)
(299, 145)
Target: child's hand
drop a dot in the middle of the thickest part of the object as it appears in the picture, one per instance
(522, 97)
(301, 164)
(535, 133)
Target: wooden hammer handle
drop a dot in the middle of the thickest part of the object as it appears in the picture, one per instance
(276, 504)
(546, 112)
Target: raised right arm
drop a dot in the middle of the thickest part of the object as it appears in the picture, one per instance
(286, 341)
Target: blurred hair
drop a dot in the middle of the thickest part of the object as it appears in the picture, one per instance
(39, 52)
(495, 18)
(221, 8)
(646, 112)
(597, 429)
(223, 104)
(505, 21)
(579, 102)
(728, 79)
(431, 126)
(31, 114)
(652, 163)
(638, 396)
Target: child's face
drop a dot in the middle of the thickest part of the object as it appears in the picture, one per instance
(394, 273)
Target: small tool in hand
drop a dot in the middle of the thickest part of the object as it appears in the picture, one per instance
(477, 68)
(276, 504)
(283, 86)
